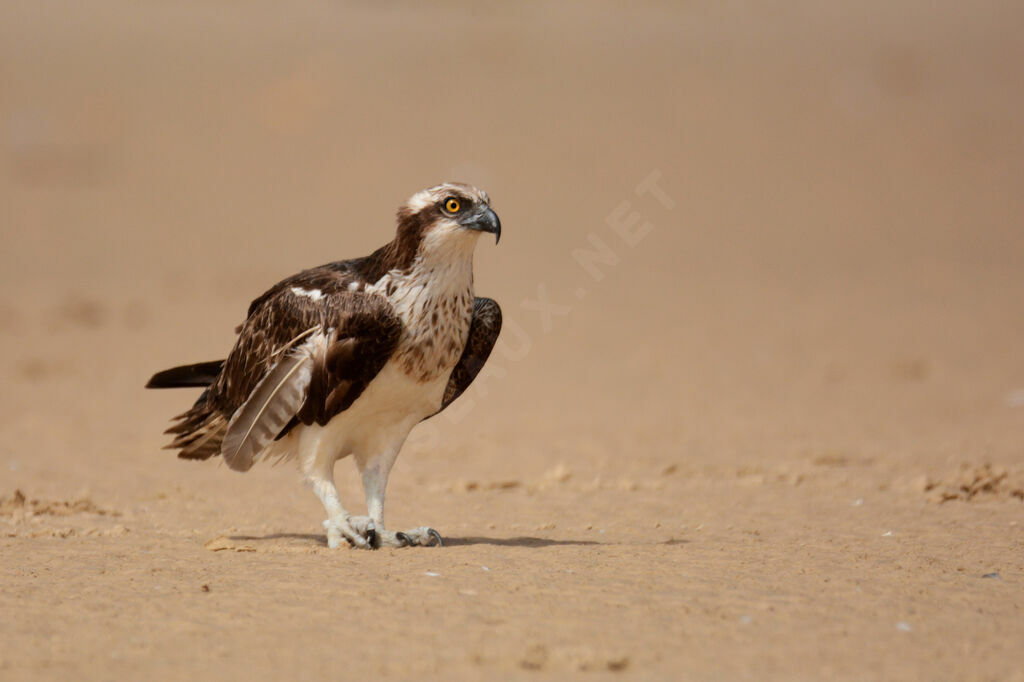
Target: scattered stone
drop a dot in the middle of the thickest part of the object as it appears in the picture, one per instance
(18, 504)
(464, 486)
(833, 459)
(973, 483)
(14, 502)
(921, 483)
(502, 485)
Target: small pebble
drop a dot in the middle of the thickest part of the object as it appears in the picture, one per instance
(903, 626)
(993, 575)
(432, 574)
(485, 568)
(858, 502)
(887, 534)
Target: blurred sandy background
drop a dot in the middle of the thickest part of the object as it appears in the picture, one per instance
(780, 437)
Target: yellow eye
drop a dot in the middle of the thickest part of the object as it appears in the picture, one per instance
(452, 205)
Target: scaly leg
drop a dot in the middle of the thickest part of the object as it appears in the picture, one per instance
(340, 525)
(375, 472)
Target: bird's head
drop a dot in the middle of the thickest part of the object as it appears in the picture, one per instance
(447, 219)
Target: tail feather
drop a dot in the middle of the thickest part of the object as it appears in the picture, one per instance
(188, 376)
(198, 433)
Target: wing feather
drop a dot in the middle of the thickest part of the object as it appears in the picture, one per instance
(277, 398)
(483, 333)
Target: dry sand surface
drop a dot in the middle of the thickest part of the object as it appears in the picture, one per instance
(778, 435)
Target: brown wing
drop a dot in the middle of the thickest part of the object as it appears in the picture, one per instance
(361, 330)
(483, 333)
(286, 315)
(365, 333)
(313, 375)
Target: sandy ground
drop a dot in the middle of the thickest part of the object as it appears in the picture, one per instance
(775, 432)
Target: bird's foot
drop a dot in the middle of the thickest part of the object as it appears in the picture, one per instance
(363, 533)
(358, 531)
(417, 537)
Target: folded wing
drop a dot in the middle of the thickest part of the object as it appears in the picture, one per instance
(273, 403)
(483, 333)
(318, 373)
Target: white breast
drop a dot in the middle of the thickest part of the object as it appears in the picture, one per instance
(381, 418)
(435, 305)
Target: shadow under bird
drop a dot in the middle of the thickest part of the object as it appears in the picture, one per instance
(346, 358)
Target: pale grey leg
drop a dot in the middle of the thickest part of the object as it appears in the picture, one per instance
(375, 472)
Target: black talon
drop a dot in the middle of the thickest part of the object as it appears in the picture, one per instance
(437, 536)
(372, 539)
(404, 538)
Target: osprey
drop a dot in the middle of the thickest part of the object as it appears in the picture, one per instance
(346, 358)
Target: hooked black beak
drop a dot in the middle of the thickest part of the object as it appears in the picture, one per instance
(486, 221)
